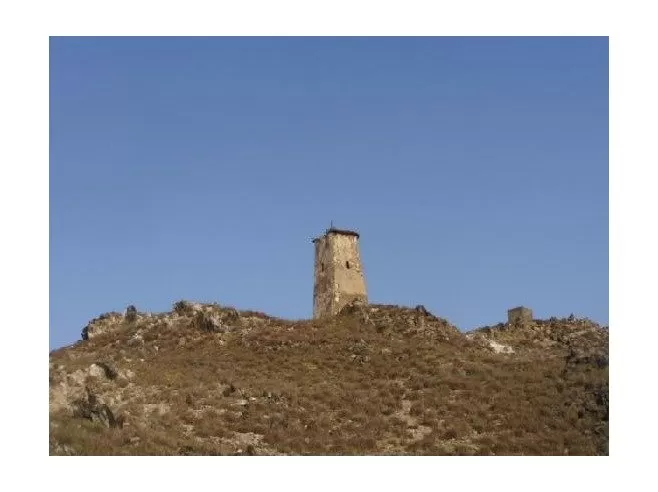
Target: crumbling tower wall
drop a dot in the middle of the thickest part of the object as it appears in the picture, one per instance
(519, 315)
(339, 278)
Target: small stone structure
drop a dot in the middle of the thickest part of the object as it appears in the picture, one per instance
(339, 278)
(131, 313)
(519, 315)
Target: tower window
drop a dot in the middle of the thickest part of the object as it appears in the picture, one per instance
(347, 265)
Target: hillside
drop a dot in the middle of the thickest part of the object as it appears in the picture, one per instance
(375, 379)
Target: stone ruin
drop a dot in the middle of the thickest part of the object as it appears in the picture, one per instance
(519, 315)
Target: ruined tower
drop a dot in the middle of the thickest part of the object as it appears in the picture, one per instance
(519, 314)
(339, 276)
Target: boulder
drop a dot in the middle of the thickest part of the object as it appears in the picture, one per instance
(105, 323)
(93, 409)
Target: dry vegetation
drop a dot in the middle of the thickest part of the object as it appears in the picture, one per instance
(372, 380)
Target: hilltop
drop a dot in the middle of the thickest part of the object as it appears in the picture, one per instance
(374, 379)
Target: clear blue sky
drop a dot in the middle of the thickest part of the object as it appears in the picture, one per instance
(475, 169)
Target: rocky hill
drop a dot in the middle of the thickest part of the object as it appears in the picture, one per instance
(375, 379)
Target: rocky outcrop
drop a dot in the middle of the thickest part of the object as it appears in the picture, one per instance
(103, 324)
(404, 320)
(216, 320)
(66, 388)
(582, 339)
(93, 409)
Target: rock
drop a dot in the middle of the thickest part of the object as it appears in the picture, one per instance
(91, 408)
(58, 449)
(220, 321)
(205, 322)
(187, 308)
(104, 415)
(136, 339)
(66, 391)
(499, 348)
(96, 371)
(105, 323)
(127, 374)
(77, 377)
(102, 370)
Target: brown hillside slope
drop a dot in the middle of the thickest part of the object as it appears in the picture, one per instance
(375, 379)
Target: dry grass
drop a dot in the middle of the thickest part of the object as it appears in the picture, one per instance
(393, 382)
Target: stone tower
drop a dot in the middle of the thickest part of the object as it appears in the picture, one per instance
(339, 276)
(519, 314)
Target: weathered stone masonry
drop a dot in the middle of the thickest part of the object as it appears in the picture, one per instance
(519, 315)
(339, 277)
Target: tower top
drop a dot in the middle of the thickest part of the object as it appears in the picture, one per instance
(342, 232)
